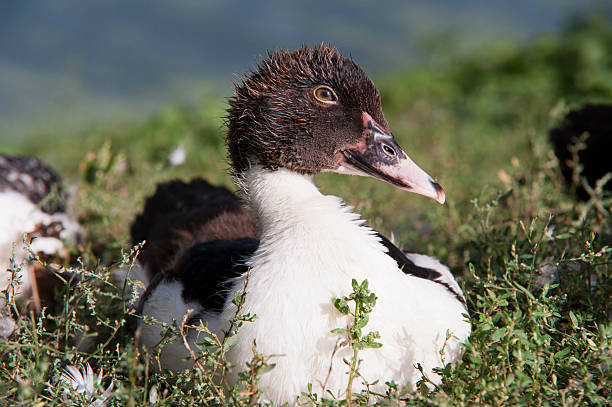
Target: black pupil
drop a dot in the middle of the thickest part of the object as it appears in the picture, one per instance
(325, 94)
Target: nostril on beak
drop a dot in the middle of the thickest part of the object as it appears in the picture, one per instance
(388, 150)
(436, 186)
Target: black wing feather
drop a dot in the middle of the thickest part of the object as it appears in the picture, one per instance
(180, 214)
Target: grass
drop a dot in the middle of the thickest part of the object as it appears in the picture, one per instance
(479, 124)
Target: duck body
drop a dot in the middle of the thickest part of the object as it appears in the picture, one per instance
(308, 247)
(33, 206)
(311, 247)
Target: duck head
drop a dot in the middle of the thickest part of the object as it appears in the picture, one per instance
(312, 110)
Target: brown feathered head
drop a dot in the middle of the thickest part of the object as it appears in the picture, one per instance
(313, 110)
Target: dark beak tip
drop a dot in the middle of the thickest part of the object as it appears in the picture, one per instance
(440, 195)
(436, 186)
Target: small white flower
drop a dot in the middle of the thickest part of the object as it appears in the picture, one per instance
(82, 382)
(177, 156)
(550, 233)
(153, 396)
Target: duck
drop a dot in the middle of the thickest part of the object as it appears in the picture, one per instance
(594, 119)
(35, 210)
(290, 248)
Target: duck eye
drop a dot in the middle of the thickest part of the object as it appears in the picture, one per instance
(325, 94)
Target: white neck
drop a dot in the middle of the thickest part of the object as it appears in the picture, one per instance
(283, 198)
(270, 195)
(292, 213)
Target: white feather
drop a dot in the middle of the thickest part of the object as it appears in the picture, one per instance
(84, 382)
(165, 304)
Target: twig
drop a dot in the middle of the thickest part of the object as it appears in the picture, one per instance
(339, 343)
(35, 293)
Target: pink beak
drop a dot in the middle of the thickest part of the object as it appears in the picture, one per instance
(379, 156)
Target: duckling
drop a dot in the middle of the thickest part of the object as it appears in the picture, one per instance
(33, 203)
(298, 114)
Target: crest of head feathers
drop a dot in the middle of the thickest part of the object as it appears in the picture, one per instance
(274, 121)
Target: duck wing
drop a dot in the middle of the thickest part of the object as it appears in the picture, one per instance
(205, 272)
(180, 215)
(423, 266)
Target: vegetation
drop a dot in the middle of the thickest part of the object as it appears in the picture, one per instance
(534, 262)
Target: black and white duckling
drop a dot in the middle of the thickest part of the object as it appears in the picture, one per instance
(33, 204)
(298, 114)
(595, 120)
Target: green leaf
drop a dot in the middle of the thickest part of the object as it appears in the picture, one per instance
(267, 368)
(561, 354)
(355, 332)
(238, 299)
(498, 334)
(364, 285)
(230, 341)
(574, 320)
(341, 305)
(363, 321)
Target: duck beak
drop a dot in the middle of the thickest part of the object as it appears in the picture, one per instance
(379, 156)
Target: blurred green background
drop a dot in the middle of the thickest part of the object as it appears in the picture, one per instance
(68, 63)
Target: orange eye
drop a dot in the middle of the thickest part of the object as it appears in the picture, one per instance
(325, 94)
